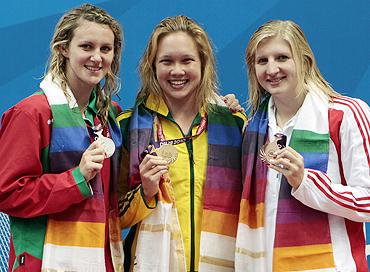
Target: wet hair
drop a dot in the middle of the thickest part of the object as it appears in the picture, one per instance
(307, 71)
(63, 34)
(208, 87)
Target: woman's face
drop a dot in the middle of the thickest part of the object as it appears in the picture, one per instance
(89, 55)
(178, 67)
(275, 68)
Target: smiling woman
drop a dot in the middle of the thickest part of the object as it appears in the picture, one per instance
(303, 207)
(183, 210)
(57, 185)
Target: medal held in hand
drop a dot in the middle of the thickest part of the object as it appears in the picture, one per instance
(267, 150)
(107, 143)
(168, 152)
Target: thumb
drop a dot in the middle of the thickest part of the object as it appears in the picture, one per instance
(93, 145)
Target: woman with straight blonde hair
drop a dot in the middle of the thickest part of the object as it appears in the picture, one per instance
(182, 181)
(305, 162)
(59, 167)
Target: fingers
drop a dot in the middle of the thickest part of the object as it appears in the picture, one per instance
(291, 164)
(153, 176)
(288, 153)
(92, 161)
(285, 156)
(95, 153)
(150, 161)
(232, 103)
(94, 145)
(152, 168)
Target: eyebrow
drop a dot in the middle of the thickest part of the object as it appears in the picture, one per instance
(164, 56)
(90, 41)
(171, 56)
(278, 54)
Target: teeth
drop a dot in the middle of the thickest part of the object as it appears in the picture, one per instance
(93, 68)
(177, 82)
(275, 80)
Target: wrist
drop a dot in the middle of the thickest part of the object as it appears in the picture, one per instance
(150, 202)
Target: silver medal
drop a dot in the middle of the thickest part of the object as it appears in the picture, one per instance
(107, 143)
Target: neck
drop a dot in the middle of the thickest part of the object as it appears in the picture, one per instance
(82, 97)
(82, 102)
(287, 108)
(183, 114)
(81, 91)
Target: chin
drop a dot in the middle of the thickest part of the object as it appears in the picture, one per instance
(94, 81)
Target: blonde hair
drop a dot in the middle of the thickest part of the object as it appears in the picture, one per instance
(62, 37)
(208, 87)
(307, 70)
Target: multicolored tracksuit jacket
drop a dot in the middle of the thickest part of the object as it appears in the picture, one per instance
(37, 192)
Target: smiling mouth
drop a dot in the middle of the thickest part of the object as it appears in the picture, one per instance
(92, 68)
(275, 81)
(178, 83)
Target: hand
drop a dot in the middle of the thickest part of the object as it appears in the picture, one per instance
(151, 169)
(232, 103)
(92, 161)
(291, 164)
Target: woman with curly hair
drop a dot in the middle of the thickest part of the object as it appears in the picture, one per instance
(59, 167)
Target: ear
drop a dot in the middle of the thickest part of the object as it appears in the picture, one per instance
(64, 50)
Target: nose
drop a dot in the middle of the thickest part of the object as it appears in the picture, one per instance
(272, 68)
(96, 57)
(177, 70)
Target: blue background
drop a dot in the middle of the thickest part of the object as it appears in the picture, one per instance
(338, 32)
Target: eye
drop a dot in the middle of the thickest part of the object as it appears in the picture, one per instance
(262, 61)
(85, 46)
(282, 58)
(188, 60)
(106, 49)
(165, 61)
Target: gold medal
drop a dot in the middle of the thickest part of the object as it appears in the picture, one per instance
(167, 152)
(267, 150)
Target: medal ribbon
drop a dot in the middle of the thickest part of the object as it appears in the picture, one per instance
(93, 130)
(97, 133)
(162, 138)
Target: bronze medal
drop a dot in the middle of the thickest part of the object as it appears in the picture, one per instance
(267, 150)
(167, 152)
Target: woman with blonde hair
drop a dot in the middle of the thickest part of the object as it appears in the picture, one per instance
(59, 167)
(305, 160)
(182, 178)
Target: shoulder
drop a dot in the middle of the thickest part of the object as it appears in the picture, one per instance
(32, 115)
(351, 107)
(124, 115)
(347, 103)
(222, 114)
(123, 120)
(116, 108)
(351, 114)
(33, 102)
(35, 107)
